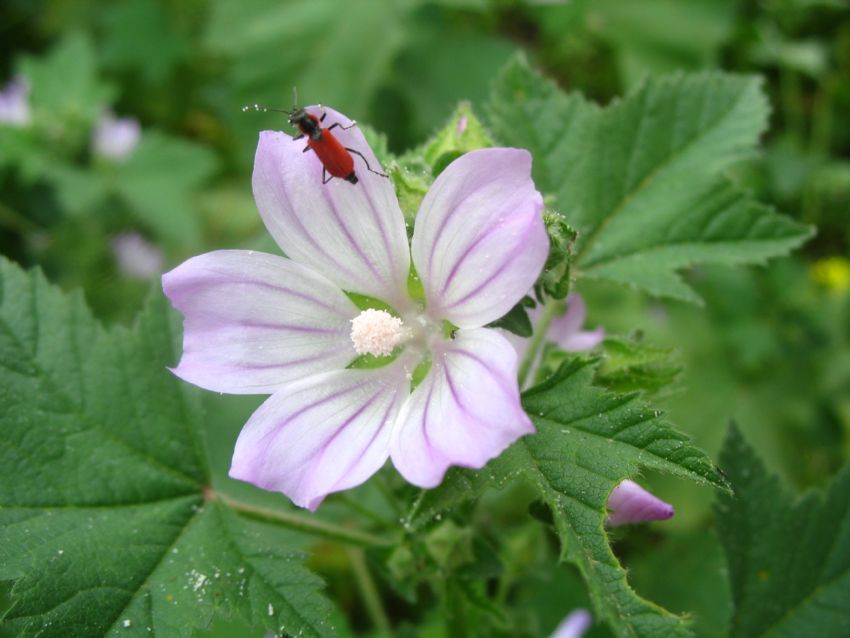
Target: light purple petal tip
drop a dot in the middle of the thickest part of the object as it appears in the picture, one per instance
(256, 321)
(326, 433)
(353, 234)
(479, 242)
(566, 330)
(630, 503)
(574, 625)
(465, 412)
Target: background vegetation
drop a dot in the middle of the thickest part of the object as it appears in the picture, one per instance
(768, 349)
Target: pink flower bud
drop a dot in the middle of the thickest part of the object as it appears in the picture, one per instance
(630, 503)
(574, 625)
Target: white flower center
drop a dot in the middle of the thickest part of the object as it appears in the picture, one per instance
(376, 332)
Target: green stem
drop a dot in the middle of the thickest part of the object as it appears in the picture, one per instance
(822, 118)
(376, 518)
(369, 591)
(550, 309)
(304, 524)
(792, 107)
(13, 219)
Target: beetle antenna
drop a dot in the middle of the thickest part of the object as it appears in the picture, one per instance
(260, 107)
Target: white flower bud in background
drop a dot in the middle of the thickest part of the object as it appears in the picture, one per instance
(574, 625)
(115, 137)
(15, 104)
(136, 257)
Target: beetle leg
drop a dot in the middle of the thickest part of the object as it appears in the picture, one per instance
(351, 150)
(344, 128)
(325, 177)
(298, 137)
(306, 148)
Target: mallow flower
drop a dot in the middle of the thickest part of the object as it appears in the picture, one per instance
(630, 503)
(446, 393)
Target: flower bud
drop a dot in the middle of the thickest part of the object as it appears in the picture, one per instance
(630, 503)
(574, 625)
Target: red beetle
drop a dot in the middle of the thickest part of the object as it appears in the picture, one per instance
(335, 158)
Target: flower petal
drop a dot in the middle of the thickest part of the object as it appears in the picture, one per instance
(569, 322)
(255, 321)
(566, 330)
(326, 433)
(583, 340)
(465, 411)
(630, 503)
(479, 242)
(353, 234)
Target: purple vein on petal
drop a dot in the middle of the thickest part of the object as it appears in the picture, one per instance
(288, 327)
(508, 262)
(455, 206)
(425, 417)
(373, 212)
(273, 366)
(307, 408)
(316, 457)
(494, 373)
(374, 436)
(466, 253)
(447, 374)
(357, 248)
(309, 237)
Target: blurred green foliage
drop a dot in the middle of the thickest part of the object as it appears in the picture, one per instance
(769, 348)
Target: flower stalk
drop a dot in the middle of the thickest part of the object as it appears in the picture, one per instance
(307, 524)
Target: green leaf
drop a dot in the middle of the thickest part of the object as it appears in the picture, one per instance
(461, 134)
(413, 173)
(587, 441)
(630, 365)
(331, 53)
(108, 525)
(67, 96)
(554, 281)
(658, 36)
(138, 35)
(159, 181)
(789, 563)
(642, 180)
(517, 320)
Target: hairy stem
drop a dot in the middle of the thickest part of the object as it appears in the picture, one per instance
(550, 309)
(306, 524)
(369, 591)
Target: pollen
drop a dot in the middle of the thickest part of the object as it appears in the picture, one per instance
(376, 332)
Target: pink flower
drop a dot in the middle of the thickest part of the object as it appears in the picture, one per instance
(15, 104)
(261, 324)
(630, 503)
(574, 625)
(116, 137)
